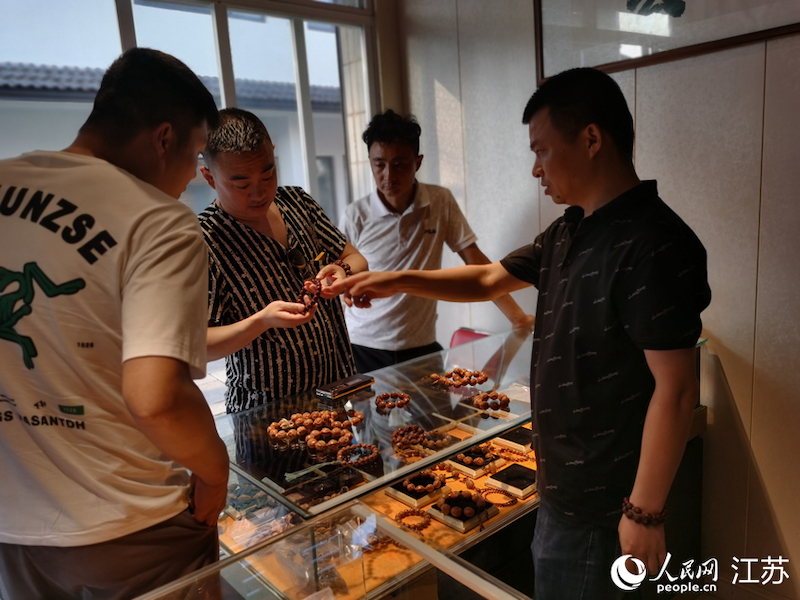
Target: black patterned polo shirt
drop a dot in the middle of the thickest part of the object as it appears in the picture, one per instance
(629, 277)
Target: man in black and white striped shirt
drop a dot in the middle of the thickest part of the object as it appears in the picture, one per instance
(262, 240)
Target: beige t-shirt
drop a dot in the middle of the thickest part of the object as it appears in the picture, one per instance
(96, 267)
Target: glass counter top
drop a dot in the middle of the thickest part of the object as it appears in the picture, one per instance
(310, 482)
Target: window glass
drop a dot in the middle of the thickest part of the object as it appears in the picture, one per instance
(184, 30)
(50, 69)
(324, 76)
(262, 50)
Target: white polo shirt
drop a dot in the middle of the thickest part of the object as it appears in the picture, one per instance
(395, 242)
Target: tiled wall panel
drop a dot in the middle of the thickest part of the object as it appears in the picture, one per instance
(496, 52)
(699, 134)
(776, 392)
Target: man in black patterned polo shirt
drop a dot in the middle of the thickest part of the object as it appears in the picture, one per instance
(622, 282)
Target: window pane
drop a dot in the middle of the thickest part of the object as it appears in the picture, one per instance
(353, 3)
(186, 32)
(353, 175)
(322, 48)
(263, 65)
(50, 69)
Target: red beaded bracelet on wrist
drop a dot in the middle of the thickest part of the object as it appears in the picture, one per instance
(635, 513)
(345, 266)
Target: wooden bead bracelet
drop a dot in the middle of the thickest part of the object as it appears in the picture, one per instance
(493, 400)
(489, 491)
(407, 453)
(371, 455)
(510, 454)
(312, 296)
(436, 439)
(459, 377)
(453, 504)
(428, 476)
(345, 266)
(636, 514)
(408, 435)
(391, 400)
(413, 512)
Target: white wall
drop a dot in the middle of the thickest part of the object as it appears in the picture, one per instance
(721, 134)
(469, 76)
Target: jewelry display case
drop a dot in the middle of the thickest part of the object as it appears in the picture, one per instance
(314, 454)
(349, 553)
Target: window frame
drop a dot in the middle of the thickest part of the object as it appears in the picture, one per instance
(298, 11)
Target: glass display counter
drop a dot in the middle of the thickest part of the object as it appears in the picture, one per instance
(313, 455)
(349, 553)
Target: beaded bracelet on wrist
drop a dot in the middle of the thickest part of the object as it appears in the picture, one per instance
(493, 400)
(460, 377)
(426, 475)
(636, 514)
(391, 400)
(489, 491)
(371, 454)
(413, 512)
(345, 266)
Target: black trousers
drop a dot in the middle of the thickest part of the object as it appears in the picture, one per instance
(371, 359)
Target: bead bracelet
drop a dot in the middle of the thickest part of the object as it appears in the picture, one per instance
(371, 456)
(491, 400)
(426, 475)
(435, 439)
(391, 400)
(485, 492)
(408, 435)
(312, 296)
(635, 513)
(414, 512)
(449, 506)
(510, 453)
(345, 266)
(459, 377)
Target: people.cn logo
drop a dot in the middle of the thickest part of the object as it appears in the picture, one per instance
(623, 578)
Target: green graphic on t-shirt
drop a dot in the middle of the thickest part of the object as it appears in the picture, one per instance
(10, 314)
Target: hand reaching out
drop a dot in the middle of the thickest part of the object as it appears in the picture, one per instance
(285, 314)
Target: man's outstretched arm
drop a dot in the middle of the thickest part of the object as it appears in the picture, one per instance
(472, 255)
(471, 283)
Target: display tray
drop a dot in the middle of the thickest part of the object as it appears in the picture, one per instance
(464, 525)
(415, 499)
(517, 439)
(515, 479)
(471, 469)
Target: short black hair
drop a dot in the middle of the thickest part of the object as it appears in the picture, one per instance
(238, 131)
(578, 97)
(144, 88)
(391, 128)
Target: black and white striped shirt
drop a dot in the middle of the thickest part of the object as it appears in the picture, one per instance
(247, 271)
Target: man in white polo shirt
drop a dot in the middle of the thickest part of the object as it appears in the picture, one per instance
(404, 224)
